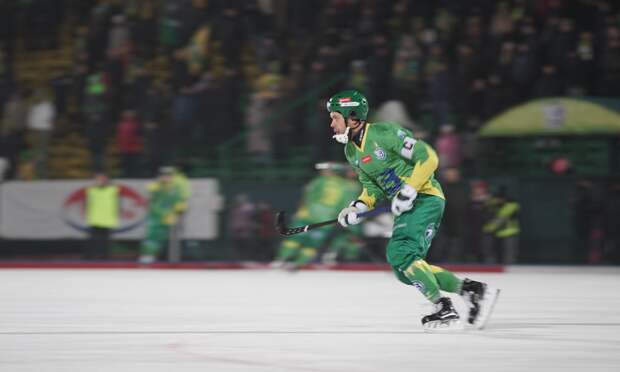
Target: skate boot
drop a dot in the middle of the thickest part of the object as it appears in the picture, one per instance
(481, 299)
(445, 318)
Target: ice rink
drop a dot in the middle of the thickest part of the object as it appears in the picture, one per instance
(546, 319)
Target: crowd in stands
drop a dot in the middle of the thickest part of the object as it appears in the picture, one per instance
(156, 77)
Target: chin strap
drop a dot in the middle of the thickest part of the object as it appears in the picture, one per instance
(342, 138)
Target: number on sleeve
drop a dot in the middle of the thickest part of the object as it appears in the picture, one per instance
(407, 150)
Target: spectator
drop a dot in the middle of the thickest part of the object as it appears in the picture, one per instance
(440, 92)
(359, 78)
(562, 43)
(448, 146)
(379, 68)
(497, 96)
(524, 71)
(478, 214)
(119, 40)
(265, 233)
(474, 96)
(609, 64)
(407, 73)
(242, 226)
(229, 30)
(40, 123)
(549, 84)
(183, 110)
(262, 103)
(228, 93)
(588, 212)
(102, 215)
(504, 227)
(502, 21)
(195, 53)
(467, 66)
(171, 23)
(450, 240)
(156, 131)
(137, 82)
(61, 86)
(129, 142)
(144, 29)
(12, 131)
(95, 109)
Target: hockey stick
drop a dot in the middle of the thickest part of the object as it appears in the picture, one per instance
(286, 231)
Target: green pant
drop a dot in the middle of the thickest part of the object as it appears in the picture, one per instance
(411, 238)
(413, 233)
(155, 237)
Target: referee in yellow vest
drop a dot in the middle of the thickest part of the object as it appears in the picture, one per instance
(102, 210)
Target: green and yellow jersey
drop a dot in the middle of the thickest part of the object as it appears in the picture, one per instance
(388, 157)
(164, 202)
(324, 197)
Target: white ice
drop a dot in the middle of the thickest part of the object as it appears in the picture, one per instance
(546, 319)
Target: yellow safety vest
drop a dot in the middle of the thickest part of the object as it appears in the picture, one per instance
(102, 206)
(505, 223)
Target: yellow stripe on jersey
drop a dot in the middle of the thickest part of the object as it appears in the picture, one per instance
(366, 130)
(421, 173)
(368, 199)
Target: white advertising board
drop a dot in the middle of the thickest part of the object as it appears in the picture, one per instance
(55, 209)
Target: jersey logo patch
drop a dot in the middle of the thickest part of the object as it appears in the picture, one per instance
(366, 159)
(380, 153)
(419, 285)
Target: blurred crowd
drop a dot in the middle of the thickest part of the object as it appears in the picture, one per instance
(156, 77)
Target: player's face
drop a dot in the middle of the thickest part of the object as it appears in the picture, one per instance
(338, 124)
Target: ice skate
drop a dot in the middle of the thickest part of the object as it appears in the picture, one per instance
(445, 319)
(278, 264)
(146, 259)
(481, 299)
(284, 265)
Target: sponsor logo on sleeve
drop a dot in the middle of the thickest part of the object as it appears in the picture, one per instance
(366, 159)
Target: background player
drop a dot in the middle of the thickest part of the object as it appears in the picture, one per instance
(392, 165)
(324, 196)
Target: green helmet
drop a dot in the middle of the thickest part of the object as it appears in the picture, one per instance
(349, 103)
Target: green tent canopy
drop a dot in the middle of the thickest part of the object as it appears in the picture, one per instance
(556, 116)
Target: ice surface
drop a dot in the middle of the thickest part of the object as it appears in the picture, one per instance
(547, 319)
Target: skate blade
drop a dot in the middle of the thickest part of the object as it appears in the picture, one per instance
(438, 326)
(486, 308)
